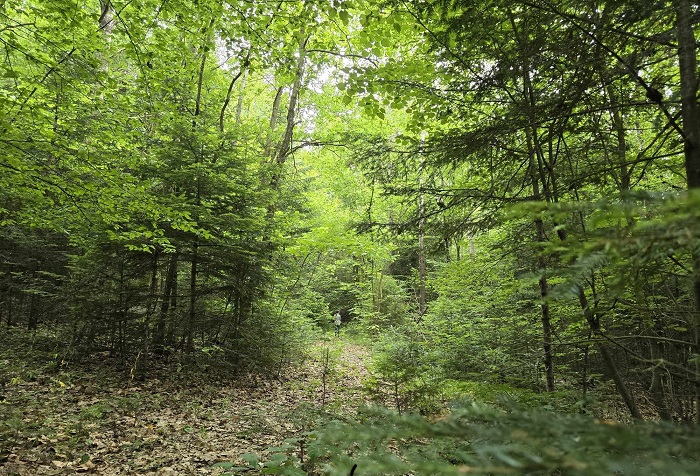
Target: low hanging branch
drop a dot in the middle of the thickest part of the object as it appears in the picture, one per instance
(653, 94)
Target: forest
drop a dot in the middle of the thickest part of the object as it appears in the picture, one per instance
(365, 237)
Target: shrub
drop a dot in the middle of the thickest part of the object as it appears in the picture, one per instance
(484, 440)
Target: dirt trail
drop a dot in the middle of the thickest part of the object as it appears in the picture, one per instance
(167, 427)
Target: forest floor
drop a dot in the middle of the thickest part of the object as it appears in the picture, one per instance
(83, 421)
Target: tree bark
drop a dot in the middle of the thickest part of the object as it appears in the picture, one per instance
(535, 177)
(168, 291)
(244, 66)
(421, 240)
(141, 363)
(284, 147)
(540, 237)
(690, 113)
(273, 120)
(286, 142)
(421, 258)
(106, 20)
(594, 324)
(192, 314)
(656, 388)
(239, 103)
(624, 181)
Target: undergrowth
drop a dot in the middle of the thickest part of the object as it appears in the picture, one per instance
(483, 440)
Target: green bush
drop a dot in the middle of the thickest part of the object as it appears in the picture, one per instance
(405, 373)
(485, 440)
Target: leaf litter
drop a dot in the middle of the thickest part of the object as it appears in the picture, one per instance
(94, 421)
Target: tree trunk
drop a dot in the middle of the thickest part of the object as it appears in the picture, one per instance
(540, 237)
(624, 181)
(106, 20)
(284, 147)
(31, 313)
(691, 129)
(239, 103)
(656, 388)
(228, 95)
(273, 121)
(192, 313)
(168, 291)
(141, 363)
(535, 177)
(594, 325)
(9, 298)
(421, 243)
(286, 143)
(619, 382)
(121, 313)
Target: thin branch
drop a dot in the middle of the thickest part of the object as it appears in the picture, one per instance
(653, 94)
(344, 55)
(36, 87)
(246, 63)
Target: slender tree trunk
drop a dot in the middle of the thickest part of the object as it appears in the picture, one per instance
(380, 291)
(192, 314)
(228, 95)
(168, 290)
(545, 317)
(421, 242)
(31, 318)
(623, 178)
(106, 20)
(273, 121)
(593, 321)
(594, 324)
(656, 388)
(622, 387)
(690, 111)
(141, 363)
(284, 147)
(171, 324)
(535, 177)
(239, 103)
(121, 314)
(421, 260)
(584, 372)
(624, 181)
(540, 237)
(10, 298)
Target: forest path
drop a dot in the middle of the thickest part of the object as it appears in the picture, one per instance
(74, 423)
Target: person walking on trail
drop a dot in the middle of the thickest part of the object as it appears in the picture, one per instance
(338, 321)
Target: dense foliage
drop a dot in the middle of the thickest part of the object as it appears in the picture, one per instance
(502, 196)
(479, 439)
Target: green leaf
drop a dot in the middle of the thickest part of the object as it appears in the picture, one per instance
(251, 458)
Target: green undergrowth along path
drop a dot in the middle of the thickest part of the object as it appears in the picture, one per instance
(484, 440)
(480, 428)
